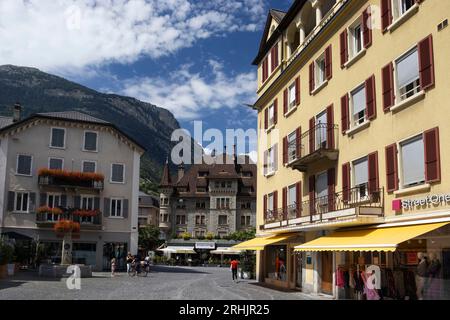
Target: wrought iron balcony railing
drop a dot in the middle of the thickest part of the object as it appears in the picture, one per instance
(318, 209)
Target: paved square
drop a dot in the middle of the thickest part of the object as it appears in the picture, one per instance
(163, 283)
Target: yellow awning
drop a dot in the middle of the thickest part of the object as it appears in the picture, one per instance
(260, 243)
(380, 239)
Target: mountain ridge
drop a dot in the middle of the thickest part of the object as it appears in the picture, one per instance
(41, 92)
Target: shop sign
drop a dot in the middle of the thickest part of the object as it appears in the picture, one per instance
(410, 204)
(205, 245)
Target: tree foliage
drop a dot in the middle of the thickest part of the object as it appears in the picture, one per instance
(149, 238)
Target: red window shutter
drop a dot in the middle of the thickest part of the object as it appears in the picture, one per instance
(298, 140)
(432, 156)
(272, 60)
(311, 78)
(285, 101)
(312, 135)
(275, 201)
(367, 27)
(275, 111)
(426, 63)
(373, 173)
(386, 14)
(285, 150)
(265, 206)
(330, 127)
(297, 91)
(345, 120)
(346, 182)
(266, 118)
(265, 69)
(328, 63)
(331, 189)
(391, 168)
(371, 105)
(344, 48)
(312, 195)
(285, 203)
(388, 86)
(298, 198)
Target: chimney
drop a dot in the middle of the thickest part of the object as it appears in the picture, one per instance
(180, 171)
(17, 112)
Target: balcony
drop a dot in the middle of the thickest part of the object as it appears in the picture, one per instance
(164, 225)
(346, 208)
(72, 180)
(48, 220)
(320, 144)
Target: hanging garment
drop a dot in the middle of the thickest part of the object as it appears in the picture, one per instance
(391, 290)
(352, 281)
(399, 285)
(359, 284)
(340, 278)
(410, 285)
(346, 279)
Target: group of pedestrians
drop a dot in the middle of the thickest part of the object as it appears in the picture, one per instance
(133, 264)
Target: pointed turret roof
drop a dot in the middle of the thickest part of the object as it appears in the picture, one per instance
(166, 180)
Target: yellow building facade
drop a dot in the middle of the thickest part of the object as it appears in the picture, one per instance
(353, 119)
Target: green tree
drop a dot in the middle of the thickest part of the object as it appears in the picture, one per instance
(149, 237)
(243, 235)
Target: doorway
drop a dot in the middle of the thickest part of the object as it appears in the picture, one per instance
(327, 272)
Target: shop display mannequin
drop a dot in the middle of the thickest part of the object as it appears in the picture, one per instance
(421, 274)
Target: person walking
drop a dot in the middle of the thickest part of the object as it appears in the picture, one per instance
(129, 262)
(113, 267)
(234, 269)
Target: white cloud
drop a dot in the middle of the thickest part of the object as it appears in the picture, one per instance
(60, 35)
(189, 94)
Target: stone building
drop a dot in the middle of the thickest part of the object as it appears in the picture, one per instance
(218, 198)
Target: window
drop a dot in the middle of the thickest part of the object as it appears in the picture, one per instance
(200, 220)
(203, 173)
(413, 162)
(200, 204)
(55, 163)
(321, 131)
(199, 233)
(53, 201)
(164, 201)
(361, 177)
(117, 173)
(58, 138)
(358, 106)
(181, 219)
(292, 146)
(90, 141)
(408, 77)
(270, 202)
(116, 207)
(292, 96)
(246, 205)
(164, 217)
(21, 204)
(402, 6)
(201, 189)
(320, 71)
(87, 203)
(223, 203)
(89, 166)
(292, 200)
(24, 164)
(271, 115)
(355, 39)
(223, 220)
(229, 184)
(271, 160)
(322, 190)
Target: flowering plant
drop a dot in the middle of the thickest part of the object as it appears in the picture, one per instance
(65, 226)
(45, 209)
(71, 176)
(86, 213)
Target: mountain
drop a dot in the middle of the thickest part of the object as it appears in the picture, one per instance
(42, 92)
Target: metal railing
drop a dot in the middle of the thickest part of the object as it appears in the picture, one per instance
(319, 207)
(55, 181)
(49, 218)
(322, 136)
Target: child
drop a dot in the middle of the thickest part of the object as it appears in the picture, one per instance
(113, 267)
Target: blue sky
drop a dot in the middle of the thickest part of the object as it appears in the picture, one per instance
(191, 57)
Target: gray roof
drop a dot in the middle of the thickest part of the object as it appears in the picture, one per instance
(5, 121)
(73, 115)
(278, 15)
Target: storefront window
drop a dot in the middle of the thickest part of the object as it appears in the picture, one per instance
(418, 270)
(276, 263)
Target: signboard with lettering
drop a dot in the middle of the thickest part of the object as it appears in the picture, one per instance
(422, 203)
(205, 245)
